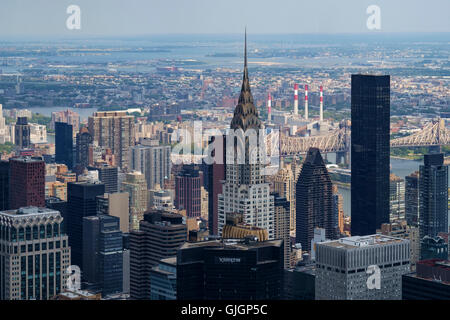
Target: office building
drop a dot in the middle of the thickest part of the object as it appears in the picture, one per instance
(64, 144)
(244, 189)
(412, 199)
(108, 175)
(83, 141)
(34, 254)
(68, 116)
(163, 280)
(114, 130)
(103, 253)
(81, 202)
(400, 229)
(136, 187)
(216, 174)
(282, 226)
(348, 268)
(300, 282)
(4, 185)
(116, 205)
(433, 196)
(26, 182)
(153, 161)
(283, 183)
(160, 235)
(338, 211)
(314, 200)
(370, 108)
(244, 270)
(22, 133)
(58, 205)
(430, 282)
(188, 184)
(396, 198)
(433, 248)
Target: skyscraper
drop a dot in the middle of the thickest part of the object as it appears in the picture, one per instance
(117, 205)
(81, 202)
(108, 175)
(370, 107)
(343, 268)
(246, 270)
(34, 254)
(22, 133)
(103, 253)
(396, 198)
(153, 161)
(160, 235)
(412, 199)
(188, 184)
(282, 226)
(64, 144)
(136, 187)
(314, 200)
(27, 182)
(216, 174)
(114, 130)
(433, 196)
(83, 141)
(245, 190)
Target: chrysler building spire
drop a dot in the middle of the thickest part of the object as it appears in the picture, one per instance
(245, 114)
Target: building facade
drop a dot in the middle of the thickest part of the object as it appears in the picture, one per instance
(370, 109)
(26, 182)
(160, 235)
(348, 268)
(64, 144)
(114, 130)
(34, 254)
(244, 189)
(314, 200)
(433, 196)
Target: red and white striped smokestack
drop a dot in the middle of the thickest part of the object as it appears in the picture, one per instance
(269, 108)
(296, 99)
(321, 104)
(306, 102)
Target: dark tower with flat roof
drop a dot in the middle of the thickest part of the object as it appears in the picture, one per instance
(370, 107)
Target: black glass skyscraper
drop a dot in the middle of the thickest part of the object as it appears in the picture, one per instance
(81, 202)
(314, 200)
(370, 108)
(64, 144)
(433, 195)
(103, 253)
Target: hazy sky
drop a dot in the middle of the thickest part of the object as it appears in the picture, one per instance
(138, 17)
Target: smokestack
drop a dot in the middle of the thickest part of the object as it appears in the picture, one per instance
(269, 108)
(296, 99)
(321, 104)
(306, 102)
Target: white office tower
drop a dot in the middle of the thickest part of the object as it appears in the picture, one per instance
(361, 268)
(34, 254)
(244, 190)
